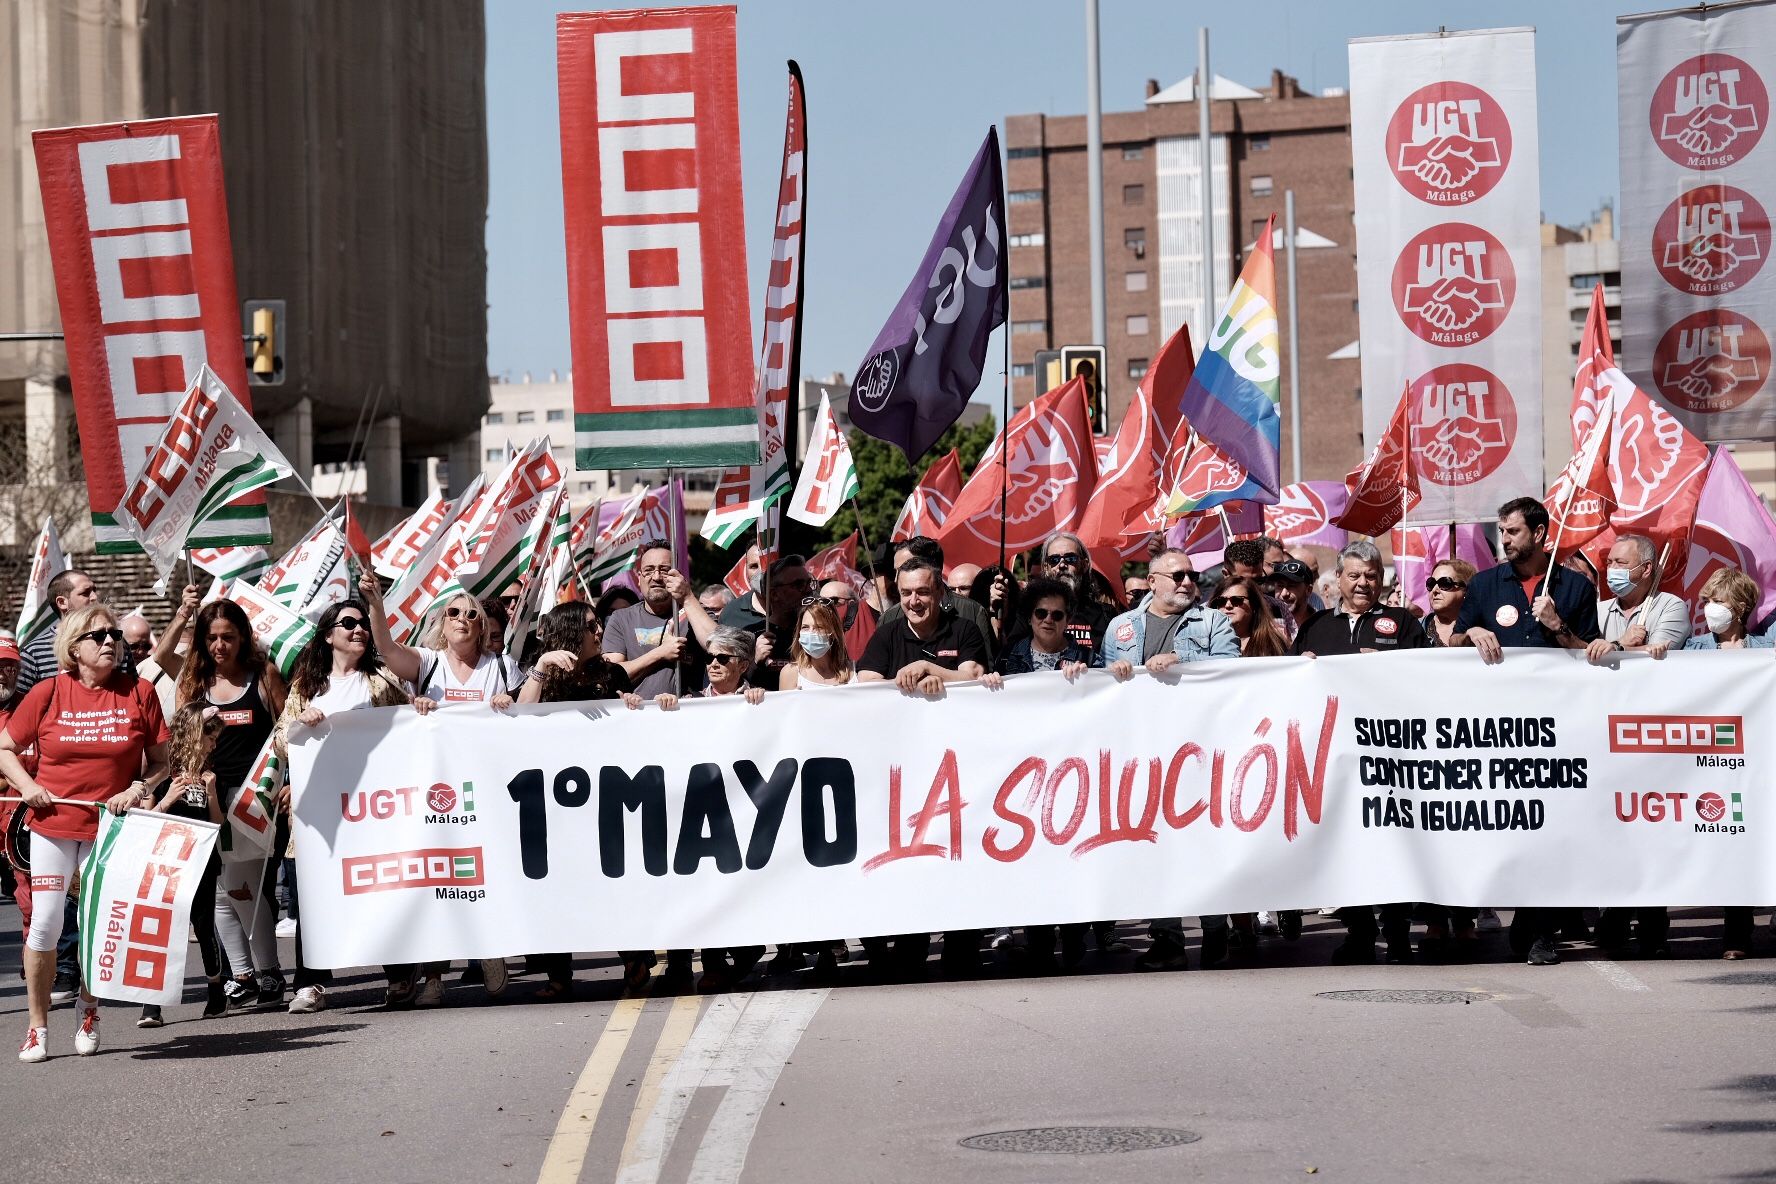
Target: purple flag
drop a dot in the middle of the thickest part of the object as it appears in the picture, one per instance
(1733, 529)
(926, 361)
(1304, 512)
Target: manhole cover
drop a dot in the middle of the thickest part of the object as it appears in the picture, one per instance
(1405, 996)
(1081, 1140)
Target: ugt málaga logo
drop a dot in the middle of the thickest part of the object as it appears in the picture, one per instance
(1709, 111)
(1711, 361)
(1300, 511)
(1454, 284)
(1464, 424)
(1711, 240)
(1448, 143)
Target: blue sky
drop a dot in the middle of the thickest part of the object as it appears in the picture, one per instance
(900, 94)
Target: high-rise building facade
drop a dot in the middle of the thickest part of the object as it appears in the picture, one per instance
(1263, 143)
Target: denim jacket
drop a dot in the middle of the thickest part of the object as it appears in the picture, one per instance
(1017, 659)
(1753, 641)
(1205, 633)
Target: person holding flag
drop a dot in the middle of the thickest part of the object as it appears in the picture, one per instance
(100, 742)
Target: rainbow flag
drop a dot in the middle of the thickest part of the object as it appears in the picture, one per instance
(1235, 392)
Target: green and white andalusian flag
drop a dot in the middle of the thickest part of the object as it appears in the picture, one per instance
(829, 475)
(47, 561)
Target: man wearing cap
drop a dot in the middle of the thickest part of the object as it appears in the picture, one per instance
(1290, 587)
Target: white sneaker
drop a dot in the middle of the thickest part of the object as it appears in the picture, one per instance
(86, 1037)
(1267, 923)
(36, 1046)
(308, 1000)
(430, 993)
(494, 976)
(287, 927)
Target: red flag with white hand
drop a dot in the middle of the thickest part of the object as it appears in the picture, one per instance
(1053, 472)
(1304, 513)
(829, 475)
(1385, 488)
(928, 505)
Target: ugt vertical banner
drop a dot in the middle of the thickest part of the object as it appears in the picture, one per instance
(137, 221)
(1448, 192)
(1698, 301)
(656, 249)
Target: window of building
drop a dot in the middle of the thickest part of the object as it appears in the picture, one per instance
(1022, 153)
(525, 417)
(1137, 367)
(496, 417)
(1262, 186)
(496, 454)
(1022, 369)
(1135, 239)
(556, 415)
(1134, 281)
(1024, 195)
(1026, 281)
(1137, 326)
(1029, 240)
(560, 452)
(1258, 143)
(1029, 326)
(1134, 195)
(1133, 151)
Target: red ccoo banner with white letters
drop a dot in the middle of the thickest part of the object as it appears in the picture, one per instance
(1698, 182)
(1444, 147)
(656, 251)
(137, 221)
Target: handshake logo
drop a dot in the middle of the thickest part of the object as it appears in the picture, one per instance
(1711, 240)
(1453, 284)
(1711, 361)
(1709, 111)
(1448, 143)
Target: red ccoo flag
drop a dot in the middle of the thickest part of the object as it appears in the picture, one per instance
(1052, 474)
(928, 505)
(1385, 488)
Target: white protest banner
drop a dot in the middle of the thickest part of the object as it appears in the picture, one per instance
(1448, 201)
(1283, 783)
(210, 454)
(47, 561)
(135, 904)
(1698, 299)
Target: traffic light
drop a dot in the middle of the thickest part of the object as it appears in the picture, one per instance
(1047, 365)
(1087, 362)
(264, 321)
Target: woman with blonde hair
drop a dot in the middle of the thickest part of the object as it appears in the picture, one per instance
(817, 656)
(452, 664)
(101, 741)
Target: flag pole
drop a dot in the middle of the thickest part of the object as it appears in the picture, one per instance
(863, 539)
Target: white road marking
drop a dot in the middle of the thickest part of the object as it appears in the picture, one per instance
(742, 1043)
(1617, 975)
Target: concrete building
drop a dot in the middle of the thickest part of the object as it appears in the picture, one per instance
(1264, 142)
(354, 148)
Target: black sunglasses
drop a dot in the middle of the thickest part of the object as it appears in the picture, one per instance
(724, 659)
(1064, 559)
(1048, 614)
(1224, 601)
(1176, 577)
(1444, 584)
(349, 624)
(99, 635)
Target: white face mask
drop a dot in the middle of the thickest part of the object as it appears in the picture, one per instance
(1718, 616)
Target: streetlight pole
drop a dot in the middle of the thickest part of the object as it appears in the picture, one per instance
(1094, 171)
(1294, 340)
(1205, 81)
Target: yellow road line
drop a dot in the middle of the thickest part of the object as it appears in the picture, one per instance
(680, 1022)
(573, 1133)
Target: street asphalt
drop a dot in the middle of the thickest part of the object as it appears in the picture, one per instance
(1593, 1070)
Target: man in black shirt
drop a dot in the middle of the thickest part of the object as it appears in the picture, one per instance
(928, 645)
(952, 601)
(922, 650)
(1361, 624)
(788, 581)
(1065, 558)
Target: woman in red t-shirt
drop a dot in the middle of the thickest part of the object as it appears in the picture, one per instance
(95, 728)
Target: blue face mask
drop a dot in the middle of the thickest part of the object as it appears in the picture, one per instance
(814, 644)
(1621, 580)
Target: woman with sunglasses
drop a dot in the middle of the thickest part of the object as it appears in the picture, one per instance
(227, 670)
(573, 669)
(817, 656)
(453, 664)
(340, 670)
(1447, 587)
(100, 741)
(1248, 611)
(1048, 605)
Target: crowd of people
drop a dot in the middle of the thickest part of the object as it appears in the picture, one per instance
(96, 714)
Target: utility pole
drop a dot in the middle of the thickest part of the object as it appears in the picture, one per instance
(1294, 340)
(1205, 81)
(1094, 171)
